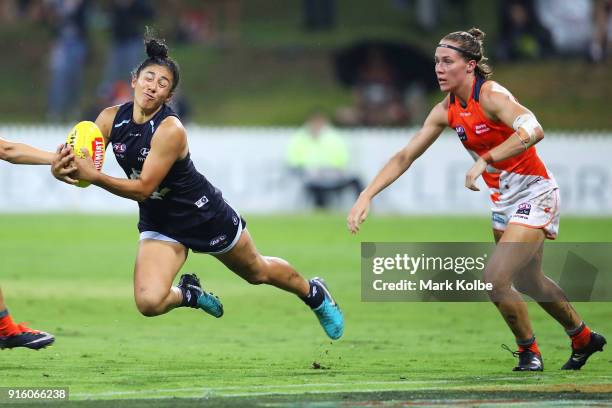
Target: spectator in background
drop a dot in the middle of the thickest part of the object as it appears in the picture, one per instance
(69, 20)
(15, 11)
(320, 156)
(209, 22)
(127, 21)
(319, 14)
(430, 14)
(522, 35)
(377, 96)
(569, 22)
(599, 43)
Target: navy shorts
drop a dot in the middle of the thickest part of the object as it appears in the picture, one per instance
(216, 236)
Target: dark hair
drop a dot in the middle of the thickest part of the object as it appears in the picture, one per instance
(470, 45)
(157, 54)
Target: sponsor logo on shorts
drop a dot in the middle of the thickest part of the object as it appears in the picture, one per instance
(524, 208)
(499, 219)
(119, 147)
(218, 240)
(144, 152)
(235, 220)
(201, 202)
(461, 133)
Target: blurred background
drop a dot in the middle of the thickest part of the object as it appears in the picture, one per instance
(260, 77)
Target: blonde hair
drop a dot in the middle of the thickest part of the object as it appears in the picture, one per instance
(471, 47)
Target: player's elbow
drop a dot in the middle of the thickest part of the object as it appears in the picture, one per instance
(539, 134)
(143, 192)
(8, 153)
(404, 159)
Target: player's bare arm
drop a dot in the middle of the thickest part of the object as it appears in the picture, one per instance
(500, 105)
(20, 153)
(167, 146)
(104, 121)
(432, 128)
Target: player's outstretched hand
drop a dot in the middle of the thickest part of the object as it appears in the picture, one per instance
(85, 168)
(473, 173)
(63, 166)
(358, 214)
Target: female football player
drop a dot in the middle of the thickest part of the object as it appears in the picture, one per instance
(500, 134)
(12, 334)
(179, 208)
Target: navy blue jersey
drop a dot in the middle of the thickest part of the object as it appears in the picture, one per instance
(184, 199)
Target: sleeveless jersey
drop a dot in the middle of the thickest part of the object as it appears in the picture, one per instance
(184, 198)
(517, 177)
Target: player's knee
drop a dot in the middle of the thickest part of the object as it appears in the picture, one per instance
(523, 286)
(499, 286)
(256, 278)
(149, 305)
(256, 272)
(533, 287)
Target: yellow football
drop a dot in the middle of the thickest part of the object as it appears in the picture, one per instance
(86, 134)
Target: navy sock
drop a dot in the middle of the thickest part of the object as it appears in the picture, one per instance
(190, 297)
(315, 296)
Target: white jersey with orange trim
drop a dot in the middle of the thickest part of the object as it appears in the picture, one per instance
(513, 182)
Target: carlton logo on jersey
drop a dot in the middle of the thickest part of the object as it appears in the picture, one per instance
(461, 133)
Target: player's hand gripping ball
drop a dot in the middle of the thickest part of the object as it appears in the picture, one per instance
(86, 134)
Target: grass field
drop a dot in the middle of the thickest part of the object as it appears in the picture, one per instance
(72, 276)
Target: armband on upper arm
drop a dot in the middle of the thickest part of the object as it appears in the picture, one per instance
(529, 123)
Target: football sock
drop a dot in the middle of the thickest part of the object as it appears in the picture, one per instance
(580, 336)
(315, 296)
(7, 326)
(529, 344)
(190, 297)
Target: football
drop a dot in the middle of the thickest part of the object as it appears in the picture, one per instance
(86, 134)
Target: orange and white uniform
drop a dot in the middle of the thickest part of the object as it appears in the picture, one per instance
(523, 190)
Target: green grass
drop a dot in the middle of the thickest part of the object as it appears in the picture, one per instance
(72, 276)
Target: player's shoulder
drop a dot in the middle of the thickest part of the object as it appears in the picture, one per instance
(172, 124)
(439, 113)
(106, 118)
(111, 110)
(172, 128)
(493, 93)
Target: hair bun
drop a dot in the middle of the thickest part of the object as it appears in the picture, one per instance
(156, 48)
(477, 33)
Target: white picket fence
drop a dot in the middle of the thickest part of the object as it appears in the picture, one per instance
(248, 165)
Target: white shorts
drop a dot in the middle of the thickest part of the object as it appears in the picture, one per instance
(540, 212)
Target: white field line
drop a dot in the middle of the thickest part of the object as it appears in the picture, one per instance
(242, 390)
